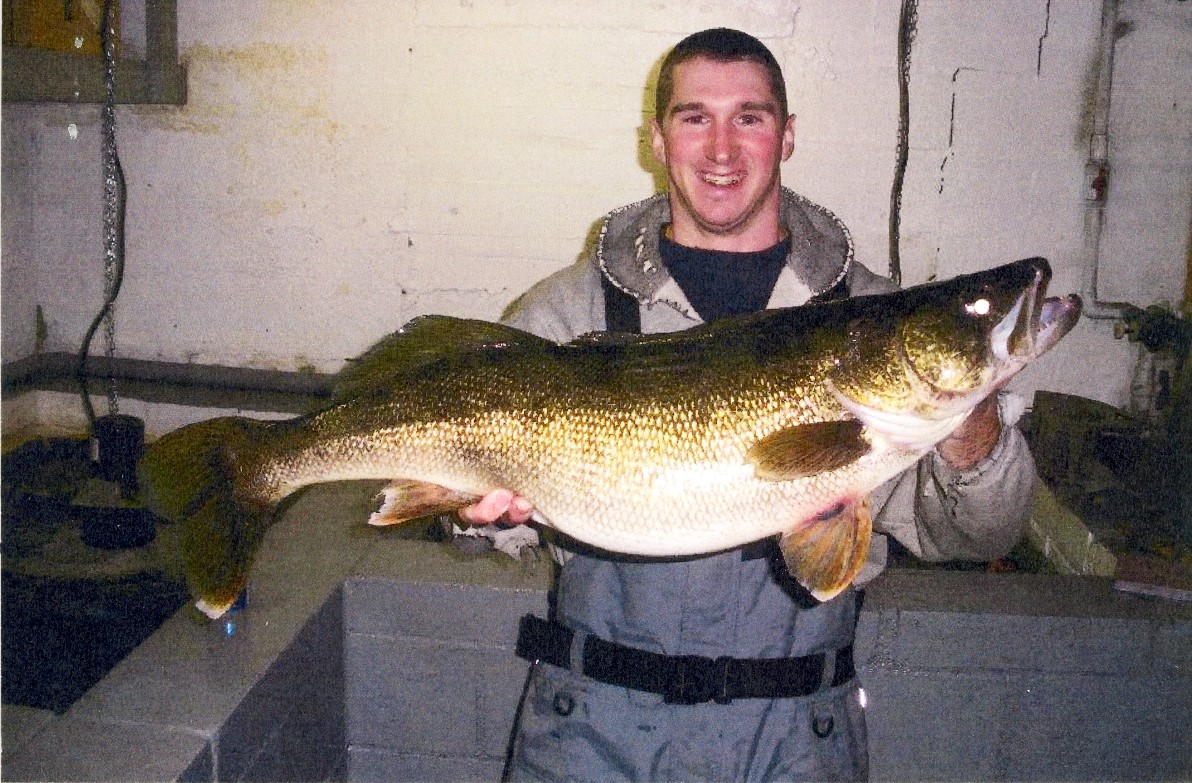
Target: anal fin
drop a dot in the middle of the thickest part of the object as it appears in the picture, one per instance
(403, 500)
(825, 553)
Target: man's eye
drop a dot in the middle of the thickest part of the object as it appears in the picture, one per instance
(693, 119)
(750, 119)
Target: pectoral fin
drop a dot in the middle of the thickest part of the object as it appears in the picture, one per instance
(825, 553)
(808, 449)
(404, 500)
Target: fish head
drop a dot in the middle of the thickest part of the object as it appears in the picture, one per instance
(971, 334)
(937, 350)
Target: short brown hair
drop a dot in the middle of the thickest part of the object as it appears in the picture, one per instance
(722, 45)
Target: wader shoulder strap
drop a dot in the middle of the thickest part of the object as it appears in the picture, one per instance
(621, 311)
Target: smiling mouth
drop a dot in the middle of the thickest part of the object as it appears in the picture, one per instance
(722, 179)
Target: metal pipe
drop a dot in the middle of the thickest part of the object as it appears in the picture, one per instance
(1096, 176)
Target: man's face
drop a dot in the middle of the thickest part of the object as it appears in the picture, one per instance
(722, 141)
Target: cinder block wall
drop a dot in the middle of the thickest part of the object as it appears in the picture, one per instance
(1022, 677)
(968, 677)
(432, 681)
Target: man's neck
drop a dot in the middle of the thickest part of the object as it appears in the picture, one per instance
(757, 231)
(756, 240)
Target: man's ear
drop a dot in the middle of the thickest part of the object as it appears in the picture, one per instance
(658, 142)
(788, 138)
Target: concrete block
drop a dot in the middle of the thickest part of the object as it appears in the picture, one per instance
(933, 727)
(290, 726)
(370, 764)
(20, 724)
(201, 769)
(1086, 727)
(412, 695)
(244, 736)
(429, 562)
(297, 751)
(185, 655)
(953, 641)
(192, 655)
(304, 735)
(447, 613)
(1173, 651)
(502, 681)
(866, 636)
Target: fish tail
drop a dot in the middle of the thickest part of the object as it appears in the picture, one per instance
(200, 477)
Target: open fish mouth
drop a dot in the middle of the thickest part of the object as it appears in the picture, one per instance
(1036, 322)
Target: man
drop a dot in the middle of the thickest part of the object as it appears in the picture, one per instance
(610, 696)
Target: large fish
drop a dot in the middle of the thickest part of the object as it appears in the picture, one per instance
(674, 444)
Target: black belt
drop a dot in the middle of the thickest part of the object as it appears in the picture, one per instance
(683, 679)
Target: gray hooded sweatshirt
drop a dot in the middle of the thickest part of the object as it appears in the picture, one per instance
(738, 603)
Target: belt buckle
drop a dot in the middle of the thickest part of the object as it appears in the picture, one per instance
(699, 679)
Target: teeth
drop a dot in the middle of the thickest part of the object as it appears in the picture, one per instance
(727, 179)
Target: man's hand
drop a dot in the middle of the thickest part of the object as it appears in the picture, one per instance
(975, 439)
(500, 505)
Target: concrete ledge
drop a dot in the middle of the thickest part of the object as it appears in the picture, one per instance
(257, 697)
(198, 385)
(42, 397)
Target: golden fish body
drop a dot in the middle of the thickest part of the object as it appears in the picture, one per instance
(605, 456)
(662, 445)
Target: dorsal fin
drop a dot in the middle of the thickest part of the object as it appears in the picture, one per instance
(807, 449)
(423, 341)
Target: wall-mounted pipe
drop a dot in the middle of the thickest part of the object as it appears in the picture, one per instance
(1097, 171)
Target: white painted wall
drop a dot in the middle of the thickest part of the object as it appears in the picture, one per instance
(344, 165)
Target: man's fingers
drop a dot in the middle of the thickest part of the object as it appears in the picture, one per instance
(488, 509)
(520, 510)
(498, 504)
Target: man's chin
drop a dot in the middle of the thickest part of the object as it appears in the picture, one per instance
(724, 224)
(720, 215)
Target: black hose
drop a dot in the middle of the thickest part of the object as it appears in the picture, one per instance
(116, 240)
(907, 22)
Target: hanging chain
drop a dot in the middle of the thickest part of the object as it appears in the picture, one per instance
(112, 186)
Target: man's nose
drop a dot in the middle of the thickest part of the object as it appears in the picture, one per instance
(722, 145)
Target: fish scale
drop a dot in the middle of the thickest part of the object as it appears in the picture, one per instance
(633, 460)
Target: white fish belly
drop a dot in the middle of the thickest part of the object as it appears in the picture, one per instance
(699, 508)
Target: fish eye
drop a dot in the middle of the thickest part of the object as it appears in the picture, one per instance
(978, 307)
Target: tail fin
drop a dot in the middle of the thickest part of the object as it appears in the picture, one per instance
(190, 476)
